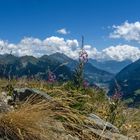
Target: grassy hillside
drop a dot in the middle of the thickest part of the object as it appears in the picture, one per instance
(65, 116)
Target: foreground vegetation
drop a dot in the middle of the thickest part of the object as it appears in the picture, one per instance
(65, 116)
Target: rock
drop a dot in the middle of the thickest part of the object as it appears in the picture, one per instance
(4, 107)
(106, 129)
(102, 124)
(109, 135)
(22, 94)
(3, 97)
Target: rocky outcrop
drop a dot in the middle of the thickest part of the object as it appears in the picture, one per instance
(103, 124)
(105, 129)
(4, 106)
(22, 94)
(109, 135)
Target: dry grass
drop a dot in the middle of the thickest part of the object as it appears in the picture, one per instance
(64, 116)
(31, 120)
(132, 125)
(40, 120)
(24, 122)
(94, 101)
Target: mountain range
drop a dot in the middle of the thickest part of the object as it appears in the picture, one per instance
(111, 66)
(60, 64)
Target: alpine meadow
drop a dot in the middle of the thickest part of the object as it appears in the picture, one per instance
(69, 70)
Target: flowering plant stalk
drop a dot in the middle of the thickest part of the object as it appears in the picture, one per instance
(114, 104)
(79, 71)
(51, 77)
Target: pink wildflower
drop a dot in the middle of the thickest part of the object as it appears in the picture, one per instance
(117, 95)
(51, 77)
(83, 56)
(85, 84)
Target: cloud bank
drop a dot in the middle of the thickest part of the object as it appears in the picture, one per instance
(127, 31)
(37, 47)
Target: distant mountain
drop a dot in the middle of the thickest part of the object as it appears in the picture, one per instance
(8, 59)
(62, 65)
(92, 73)
(111, 66)
(29, 66)
(62, 58)
(129, 81)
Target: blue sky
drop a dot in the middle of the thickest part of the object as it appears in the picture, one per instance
(92, 18)
(41, 18)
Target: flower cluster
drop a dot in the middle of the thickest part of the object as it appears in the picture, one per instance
(51, 77)
(85, 84)
(117, 95)
(83, 56)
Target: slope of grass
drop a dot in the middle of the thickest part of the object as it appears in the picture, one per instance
(65, 116)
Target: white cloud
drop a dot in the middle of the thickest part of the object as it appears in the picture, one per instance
(38, 47)
(56, 44)
(63, 31)
(127, 31)
(121, 52)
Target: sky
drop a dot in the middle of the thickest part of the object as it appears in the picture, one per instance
(111, 28)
